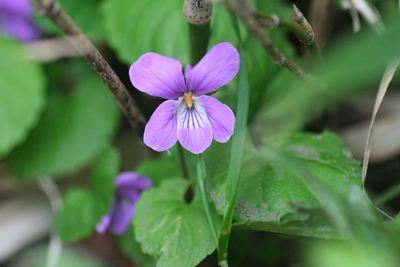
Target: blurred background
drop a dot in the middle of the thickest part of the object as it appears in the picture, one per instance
(58, 120)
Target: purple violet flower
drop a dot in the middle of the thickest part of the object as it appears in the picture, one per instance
(194, 119)
(16, 20)
(129, 186)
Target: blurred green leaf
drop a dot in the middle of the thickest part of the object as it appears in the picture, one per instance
(159, 169)
(86, 14)
(72, 132)
(354, 63)
(262, 71)
(324, 254)
(104, 173)
(83, 208)
(167, 166)
(80, 214)
(175, 232)
(37, 256)
(135, 27)
(278, 7)
(272, 196)
(22, 96)
(133, 250)
(222, 28)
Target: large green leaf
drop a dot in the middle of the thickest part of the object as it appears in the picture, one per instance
(83, 208)
(73, 131)
(272, 196)
(304, 220)
(175, 232)
(135, 27)
(22, 94)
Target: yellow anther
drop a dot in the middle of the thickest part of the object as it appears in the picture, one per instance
(188, 97)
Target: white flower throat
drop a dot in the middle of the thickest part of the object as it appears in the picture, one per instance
(188, 97)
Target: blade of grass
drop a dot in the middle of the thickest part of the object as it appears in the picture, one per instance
(201, 183)
(236, 155)
(386, 79)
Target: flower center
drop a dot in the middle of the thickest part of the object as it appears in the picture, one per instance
(188, 97)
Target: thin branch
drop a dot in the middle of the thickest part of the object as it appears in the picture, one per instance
(77, 38)
(245, 12)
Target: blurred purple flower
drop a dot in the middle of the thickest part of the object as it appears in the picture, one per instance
(129, 186)
(194, 118)
(16, 20)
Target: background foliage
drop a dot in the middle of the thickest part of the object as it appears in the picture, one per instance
(296, 186)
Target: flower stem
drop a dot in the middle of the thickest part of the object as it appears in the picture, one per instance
(201, 183)
(183, 162)
(189, 193)
(238, 144)
(199, 36)
(78, 39)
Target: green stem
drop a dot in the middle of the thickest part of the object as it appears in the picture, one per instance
(236, 155)
(201, 183)
(265, 19)
(275, 21)
(199, 35)
(183, 162)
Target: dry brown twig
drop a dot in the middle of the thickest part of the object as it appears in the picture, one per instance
(78, 39)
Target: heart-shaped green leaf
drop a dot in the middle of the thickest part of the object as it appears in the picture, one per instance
(175, 232)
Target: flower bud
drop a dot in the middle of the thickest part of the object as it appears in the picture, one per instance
(197, 12)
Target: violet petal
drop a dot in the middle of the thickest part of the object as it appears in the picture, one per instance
(220, 116)
(16, 7)
(104, 223)
(158, 75)
(187, 68)
(20, 28)
(132, 181)
(217, 68)
(122, 212)
(161, 131)
(194, 129)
